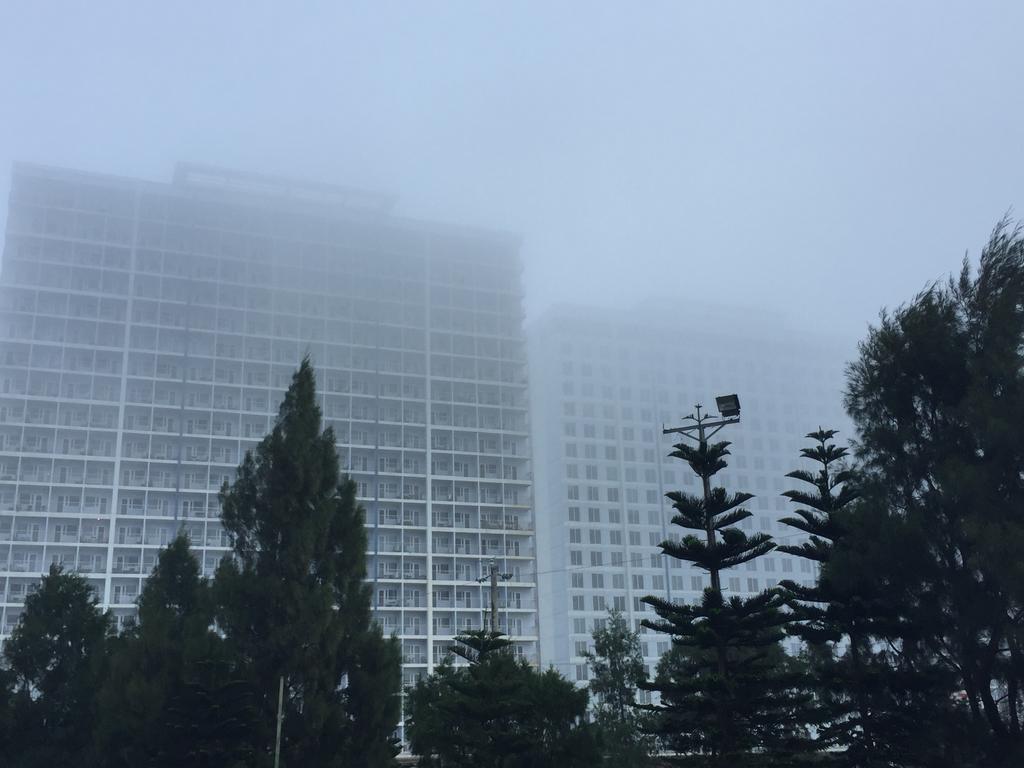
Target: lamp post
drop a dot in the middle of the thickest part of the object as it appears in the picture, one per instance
(707, 426)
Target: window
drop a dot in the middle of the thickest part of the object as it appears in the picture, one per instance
(597, 580)
(577, 603)
(576, 557)
(577, 581)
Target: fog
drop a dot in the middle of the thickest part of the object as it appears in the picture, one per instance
(816, 159)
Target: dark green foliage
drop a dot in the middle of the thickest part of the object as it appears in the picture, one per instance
(171, 697)
(617, 670)
(293, 602)
(874, 705)
(498, 711)
(937, 395)
(475, 645)
(373, 700)
(54, 659)
(725, 700)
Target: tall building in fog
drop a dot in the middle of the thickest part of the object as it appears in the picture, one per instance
(603, 384)
(148, 332)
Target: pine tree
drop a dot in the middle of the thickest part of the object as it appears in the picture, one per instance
(617, 670)
(293, 602)
(727, 699)
(937, 396)
(55, 656)
(498, 712)
(161, 702)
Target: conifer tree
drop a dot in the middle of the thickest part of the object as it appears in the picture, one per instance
(293, 602)
(727, 699)
(498, 712)
(55, 656)
(163, 700)
(937, 396)
(872, 710)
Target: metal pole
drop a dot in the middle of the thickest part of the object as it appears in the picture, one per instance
(494, 598)
(280, 719)
(716, 579)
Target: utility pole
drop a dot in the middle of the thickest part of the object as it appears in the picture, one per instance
(493, 576)
(280, 719)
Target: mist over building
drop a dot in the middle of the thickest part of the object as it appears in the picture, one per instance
(603, 385)
(149, 330)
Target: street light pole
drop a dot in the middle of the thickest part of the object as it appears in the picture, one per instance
(706, 426)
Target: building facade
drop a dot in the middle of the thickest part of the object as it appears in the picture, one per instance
(149, 330)
(603, 386)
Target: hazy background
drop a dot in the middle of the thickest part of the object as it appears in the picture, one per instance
(824, 159)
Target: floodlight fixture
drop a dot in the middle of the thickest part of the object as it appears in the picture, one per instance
(728, 405)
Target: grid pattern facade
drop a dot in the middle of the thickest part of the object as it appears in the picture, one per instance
(148, 332)
(603, 386)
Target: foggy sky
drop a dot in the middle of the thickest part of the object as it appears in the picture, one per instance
(824, 159)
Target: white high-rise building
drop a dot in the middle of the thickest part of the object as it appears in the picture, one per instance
(604, 383)
(147, 334)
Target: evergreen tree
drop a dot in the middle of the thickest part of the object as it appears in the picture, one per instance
(498, 712)
(161, 702)
(727, 700)
(617, 670)
(55, 656)
(875, 707)
(293, 602)
(937, 395)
